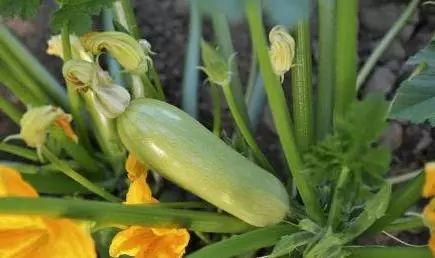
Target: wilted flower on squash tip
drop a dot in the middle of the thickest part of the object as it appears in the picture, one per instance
(215, 66)
(146, 242)
(36, 122)
(282, 50)
(78, 52)
(110, 99)
(124, 48)
(37, 236)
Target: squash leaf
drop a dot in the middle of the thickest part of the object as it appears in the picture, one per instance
(415, 99)
(288, 244)
(24, 9)
(77, 14)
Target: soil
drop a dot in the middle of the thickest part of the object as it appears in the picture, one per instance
(164, 23)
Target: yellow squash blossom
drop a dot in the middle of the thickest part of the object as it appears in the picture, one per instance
(429, 210)
(429, 185)
(145, 242)
(282, 50)
(24, 236)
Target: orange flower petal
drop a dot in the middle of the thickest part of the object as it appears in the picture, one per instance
(139, 192)
(143, 242)
(23, 243)
(134, 167)
(69, 240)
(11, 184)
(429, 183)
(431, 243)
(64, 122)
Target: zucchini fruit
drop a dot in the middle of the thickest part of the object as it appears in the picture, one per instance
(182, 150)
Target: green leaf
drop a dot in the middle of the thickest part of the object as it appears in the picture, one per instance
(78, 14)
(374, 209)
(241, 244)
(22, 8)
(415, 99)
(288, 244)
(329, 246)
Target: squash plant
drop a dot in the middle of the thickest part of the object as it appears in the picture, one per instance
(334, 190)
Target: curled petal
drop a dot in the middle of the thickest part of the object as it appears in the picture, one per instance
(282, 50)
(124, 48)
(134, 167)
(139, 192)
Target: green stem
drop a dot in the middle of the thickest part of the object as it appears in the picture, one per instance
(337, 201)
(326, 81)
(345, 55)
(10, 110)
(149, 90)
(302, 88)
(191, 72)
(242, 244)
(113, 66)
(34, 68)
(73, 96)
(243, 126)
(112, 214)
(20, 74)
(106, 134)
(223, 35)
(68, 171)
(128, 19)
(157, 83)
(389, 252)
(217, 111)
(280, 113)
(385, 42)
(19, 151)
(16, 87)
(401, 201)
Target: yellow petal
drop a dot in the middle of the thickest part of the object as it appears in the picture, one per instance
(11, 184)
(130, 241)
(69, 240)
(139, 192)
(431, 243)
(23, 243)
(134, 167)
(429, 184)
(143, 242)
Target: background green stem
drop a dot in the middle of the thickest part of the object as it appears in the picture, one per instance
(302, 87)
(73, 95)
(34, 68)
(217, 111)
(113, 214)
(10, 109)
(191, 72)
(389, 252)
(326, 80)
(243, 126)
(280, 113)
(19, 151)
(345, 55)
(385, 42)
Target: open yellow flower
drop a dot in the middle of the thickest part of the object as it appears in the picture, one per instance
(23, 236)
(144, 242)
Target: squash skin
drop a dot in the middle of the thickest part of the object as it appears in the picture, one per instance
(179, 148)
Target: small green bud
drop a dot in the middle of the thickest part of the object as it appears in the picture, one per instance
(215, 66)
(124, 48)
(282, 50)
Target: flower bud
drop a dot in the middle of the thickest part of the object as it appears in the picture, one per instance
(36, 122)
(110, 99)
(215, 66)
(282, 50)
(124, 48)
(78, 52)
